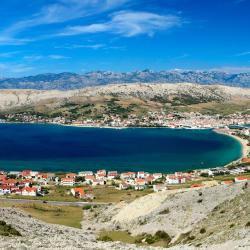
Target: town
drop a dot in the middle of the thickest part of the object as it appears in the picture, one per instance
(151, 119)
(28, 183)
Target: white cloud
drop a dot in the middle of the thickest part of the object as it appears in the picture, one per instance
(58, 57)
(245, 53)
(59, 12)
(15, 68)
(79, 46)
(9, 54)
(128, 24)
(33, 57)
(232, 69)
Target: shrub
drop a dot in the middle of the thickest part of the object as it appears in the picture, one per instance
(248, 224)
(105, 238)
(161, 235)
(150, 239)
(203, 230)
(8, 230)
(165, 211)
(86, 207)
(200, 201)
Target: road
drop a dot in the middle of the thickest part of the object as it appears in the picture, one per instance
(55, 203)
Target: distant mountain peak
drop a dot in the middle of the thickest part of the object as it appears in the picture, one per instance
(69, 80)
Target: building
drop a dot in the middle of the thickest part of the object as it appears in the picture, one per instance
(85, 173)
(229, 182)
(140, 184)
(157, 175)
(128, 175)
(5, 190)
(102, 172)
(10, 182)
(78, 192)
(159, 187)
(240, 179)
(112, 175)
(141, 175)
(26, 173)
(100, 176)
(89, 179)
(123, 186)
(29, 191)
(68, 182)
(96, 182)
(71, 175)
(173, 179)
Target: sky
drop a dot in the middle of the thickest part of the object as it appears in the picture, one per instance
(42, 36)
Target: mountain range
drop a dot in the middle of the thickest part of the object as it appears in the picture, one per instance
(69, 81)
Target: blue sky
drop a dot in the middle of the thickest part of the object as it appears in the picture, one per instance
(41, 36)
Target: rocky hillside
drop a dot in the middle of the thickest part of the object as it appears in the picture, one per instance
(178, 94)
(38, 235)
(66, 81)
(207, 218)
(212, 218)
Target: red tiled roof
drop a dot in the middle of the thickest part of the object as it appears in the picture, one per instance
(80, 191)
(67, 179)
(29, 189)
(241, 178)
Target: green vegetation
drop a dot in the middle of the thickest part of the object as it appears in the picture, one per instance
(62, 215)
(160, 238)
(8, 230)
(165, 211)
(86, 207)
(248, 224)
(110, 194)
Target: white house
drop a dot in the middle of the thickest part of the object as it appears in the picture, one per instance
(159, 187)
(68, 182)
(5, 190)
(141, 175)
(173, 179)
(29, 191)
(85, 173)
(240, 179)
(89, 179)
(157, 176)
(112, 175)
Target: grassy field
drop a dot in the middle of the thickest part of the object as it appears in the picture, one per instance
(157, 240)
(62, 215)
(110, 194)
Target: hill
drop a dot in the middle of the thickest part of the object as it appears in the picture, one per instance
(125, 99)
(212, 218)
(67, 81)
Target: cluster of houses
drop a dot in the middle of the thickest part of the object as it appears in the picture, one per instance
(151, 119)
(136, 180)
(26, 183)
(31, 183)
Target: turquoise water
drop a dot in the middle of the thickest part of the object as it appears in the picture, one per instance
(61, 148)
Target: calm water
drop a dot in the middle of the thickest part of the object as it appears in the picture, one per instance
(59, 148)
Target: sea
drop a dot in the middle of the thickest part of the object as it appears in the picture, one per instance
(57, 148)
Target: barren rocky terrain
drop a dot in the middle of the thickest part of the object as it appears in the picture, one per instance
(148, 94)
(206, 218)
(215, 218)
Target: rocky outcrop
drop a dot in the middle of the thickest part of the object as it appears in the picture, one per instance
(39, 235)
(20, 98)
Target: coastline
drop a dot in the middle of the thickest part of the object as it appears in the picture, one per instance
(245, 149)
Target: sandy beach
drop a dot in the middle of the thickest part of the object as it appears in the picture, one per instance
(245, 148)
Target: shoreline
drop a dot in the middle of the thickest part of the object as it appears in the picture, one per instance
(245, 149)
